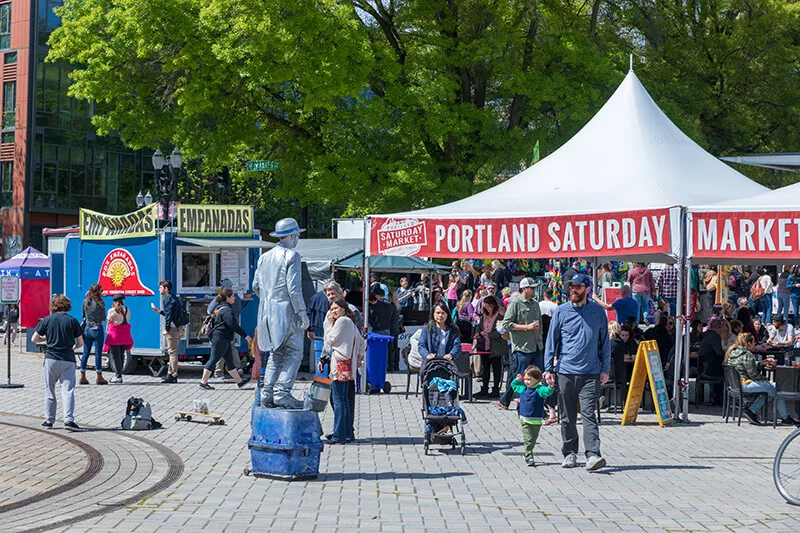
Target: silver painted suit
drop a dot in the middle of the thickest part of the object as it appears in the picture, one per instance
(282, 322)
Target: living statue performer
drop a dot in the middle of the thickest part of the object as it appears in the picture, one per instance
(282, 317)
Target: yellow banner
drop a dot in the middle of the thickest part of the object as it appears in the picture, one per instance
(215, 220)
(96, 226)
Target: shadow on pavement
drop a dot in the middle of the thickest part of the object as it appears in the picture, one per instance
(346, 476)
(611, 469)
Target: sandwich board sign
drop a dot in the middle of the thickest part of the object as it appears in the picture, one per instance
(647, 367)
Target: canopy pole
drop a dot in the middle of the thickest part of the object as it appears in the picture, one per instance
(365, 298)
(677, 390)
(594, 274)
(686, 335)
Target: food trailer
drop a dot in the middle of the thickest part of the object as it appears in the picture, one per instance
(130, 254)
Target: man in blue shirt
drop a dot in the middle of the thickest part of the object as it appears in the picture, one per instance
(578, 337)
(626, 307)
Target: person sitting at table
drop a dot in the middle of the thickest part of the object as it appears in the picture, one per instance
(746, 318)
(733, 334)
(740, 356)
(711, 355)
(696, 333)
(761, 333)
(783, 336)
(664, 335)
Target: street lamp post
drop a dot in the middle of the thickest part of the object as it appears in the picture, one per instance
(166, 172)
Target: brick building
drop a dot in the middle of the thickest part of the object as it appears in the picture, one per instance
(51, 161)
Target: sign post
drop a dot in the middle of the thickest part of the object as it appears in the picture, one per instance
(9, 294)
(647, 367)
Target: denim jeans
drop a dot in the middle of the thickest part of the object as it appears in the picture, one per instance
(93, 336)
(796, 308)
(523, 360)
(342, 428)
(644, 304)
(765, 302)
(673, 303)
(769, 388)
(783, 304)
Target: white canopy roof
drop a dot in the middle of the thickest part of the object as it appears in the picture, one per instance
(629, 156)
(783, 199)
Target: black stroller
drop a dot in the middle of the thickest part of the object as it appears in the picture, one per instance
(444, 419)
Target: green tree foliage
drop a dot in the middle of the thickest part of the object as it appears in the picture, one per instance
(727, 71)
(384, 105)
(373, 104)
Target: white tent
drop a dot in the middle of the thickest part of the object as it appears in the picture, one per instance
(760, 227)
(616, 189)
(628, 158)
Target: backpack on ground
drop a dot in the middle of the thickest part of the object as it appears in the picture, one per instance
(139, 415)
(181, 315)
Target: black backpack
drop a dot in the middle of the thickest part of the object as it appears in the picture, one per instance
(181, 315)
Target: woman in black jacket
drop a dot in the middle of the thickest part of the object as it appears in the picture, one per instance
(225, 326)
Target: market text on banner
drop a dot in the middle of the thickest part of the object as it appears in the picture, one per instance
(599, 235)
(215, 220)
(756, 234)
(647, 367)
(98, 226)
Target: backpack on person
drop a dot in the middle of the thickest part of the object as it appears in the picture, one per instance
(139, 415)
(182, 317)
(211, 322)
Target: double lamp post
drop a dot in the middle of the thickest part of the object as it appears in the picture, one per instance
(167, 168)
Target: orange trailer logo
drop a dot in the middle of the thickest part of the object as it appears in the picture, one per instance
(120, 274)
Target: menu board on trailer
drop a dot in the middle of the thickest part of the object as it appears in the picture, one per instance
(233, 266)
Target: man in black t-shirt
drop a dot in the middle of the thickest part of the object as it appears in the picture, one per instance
(62, 335)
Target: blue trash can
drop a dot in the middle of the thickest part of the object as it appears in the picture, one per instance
(317, 353)
(377, 357)
(285, 444)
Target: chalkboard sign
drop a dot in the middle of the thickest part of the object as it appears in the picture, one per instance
(647, 367)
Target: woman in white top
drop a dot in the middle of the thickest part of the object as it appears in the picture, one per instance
(347, 346)
(765, 302)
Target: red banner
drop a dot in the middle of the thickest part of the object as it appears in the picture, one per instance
(607, 234)
(756, 234)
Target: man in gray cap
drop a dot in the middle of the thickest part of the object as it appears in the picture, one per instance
(237, 312)
(282, 317)
(523, 323)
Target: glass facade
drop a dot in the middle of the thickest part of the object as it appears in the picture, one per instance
(71, 166)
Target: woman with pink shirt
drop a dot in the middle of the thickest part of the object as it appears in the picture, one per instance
(642, 285)
(453, 289)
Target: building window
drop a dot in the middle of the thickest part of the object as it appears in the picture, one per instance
(5, 25)
(10, 58)
(7, 185)
(9, 104)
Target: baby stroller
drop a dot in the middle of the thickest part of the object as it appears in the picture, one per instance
(444, 419)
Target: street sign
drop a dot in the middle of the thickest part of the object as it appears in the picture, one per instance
(9, 289)
(265, 164)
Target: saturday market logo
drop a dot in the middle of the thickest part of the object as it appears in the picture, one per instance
(402, 237)
(120, 274)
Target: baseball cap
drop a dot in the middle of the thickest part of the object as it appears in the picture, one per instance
(580, 279)
(226, 283)
(525, 282)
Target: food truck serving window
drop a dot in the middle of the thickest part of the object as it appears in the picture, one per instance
(200, 270)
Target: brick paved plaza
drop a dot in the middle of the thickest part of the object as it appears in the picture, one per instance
(704, 476)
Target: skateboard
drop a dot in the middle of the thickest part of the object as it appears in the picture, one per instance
(213, 419)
